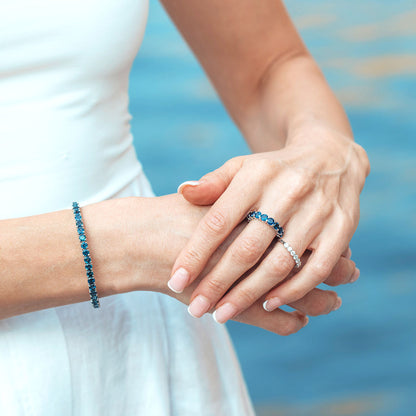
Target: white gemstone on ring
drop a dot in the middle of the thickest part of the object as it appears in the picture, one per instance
(292, 252)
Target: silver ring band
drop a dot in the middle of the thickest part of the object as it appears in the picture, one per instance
(292, 252)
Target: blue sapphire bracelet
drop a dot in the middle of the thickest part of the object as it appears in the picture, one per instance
(257, 215)
(86, 253)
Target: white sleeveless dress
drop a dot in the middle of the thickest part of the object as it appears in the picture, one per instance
(65, 136)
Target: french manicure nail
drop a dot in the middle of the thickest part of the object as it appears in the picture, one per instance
(272, 304)
(338, 304)
(224, 313)
(179, 280)
(187, 183)
(355, 276)
(199, 306)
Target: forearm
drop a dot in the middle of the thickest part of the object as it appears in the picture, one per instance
(291, 97)
(41, 263)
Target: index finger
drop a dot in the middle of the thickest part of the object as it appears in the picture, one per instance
(211, 231)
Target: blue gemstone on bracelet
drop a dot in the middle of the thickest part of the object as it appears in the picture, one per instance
(257, 214)
(270, 221)
(86, 253)
(264, 217)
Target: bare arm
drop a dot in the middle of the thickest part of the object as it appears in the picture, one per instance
(260, 67)
(41, 263)
(133, 244)
(307, 172)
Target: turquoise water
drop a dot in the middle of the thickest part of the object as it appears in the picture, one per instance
(361, 359)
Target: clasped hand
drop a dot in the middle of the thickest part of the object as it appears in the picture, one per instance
(311, 188)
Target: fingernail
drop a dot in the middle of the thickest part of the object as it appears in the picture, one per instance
(349, 254)
(272, 304)
(338, 304)
(306, 321)
(224, 313)
(187, 183)
(178, 281)
(355, 276)
(199, 306)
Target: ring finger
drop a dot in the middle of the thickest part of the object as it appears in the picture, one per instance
(274, 267)
(243, 254)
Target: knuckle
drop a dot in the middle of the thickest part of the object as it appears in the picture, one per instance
(362, 154)
(260, 167)
(280, 265)
(321, 270)
(321, 305)
(215, 287)
(300, 185)
(289, 327)
(249, 250)
(341, 273)
(295, 294)
(234, 161)
(192, 257)
(324, 206)
(246, 297)
(347, 223)
(215, 222)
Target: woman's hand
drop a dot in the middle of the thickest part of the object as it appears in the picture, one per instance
(311, 187)
(177, 228)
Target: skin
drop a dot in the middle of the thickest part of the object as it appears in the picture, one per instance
(133, 244)
(277, 96)
(306, 171)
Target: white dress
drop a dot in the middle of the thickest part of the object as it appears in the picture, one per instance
(65, 136)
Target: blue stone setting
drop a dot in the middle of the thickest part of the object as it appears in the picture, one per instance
(86, 254)
(268, 220)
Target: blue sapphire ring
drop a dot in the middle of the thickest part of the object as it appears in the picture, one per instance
(257, 215)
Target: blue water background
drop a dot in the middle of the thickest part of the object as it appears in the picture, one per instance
(360, 360)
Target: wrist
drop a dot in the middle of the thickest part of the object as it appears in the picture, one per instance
(331, 145)
(151, 231)
(110, 229)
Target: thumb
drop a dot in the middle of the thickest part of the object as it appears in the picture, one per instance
(212, 185)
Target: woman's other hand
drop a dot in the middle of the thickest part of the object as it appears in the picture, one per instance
(177, 228)
(311, 187)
